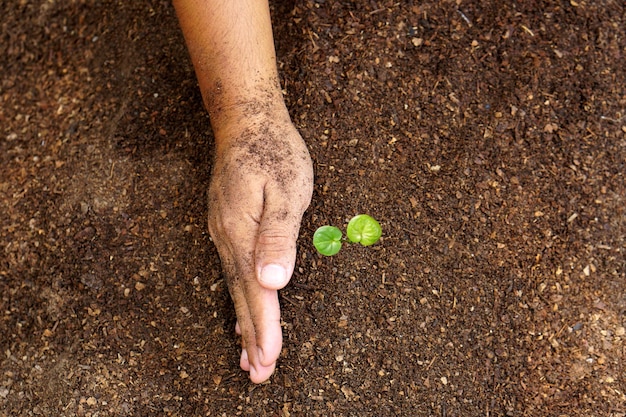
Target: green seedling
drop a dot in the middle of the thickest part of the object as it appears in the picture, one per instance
(327, 240)
(361, 229)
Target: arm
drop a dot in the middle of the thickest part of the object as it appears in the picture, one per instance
(232, 50)
(262, 177)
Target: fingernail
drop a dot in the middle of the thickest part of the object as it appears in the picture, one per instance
(273, 276)
(261, 356)
(253, 373)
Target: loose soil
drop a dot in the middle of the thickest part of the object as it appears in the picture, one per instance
(488, 137)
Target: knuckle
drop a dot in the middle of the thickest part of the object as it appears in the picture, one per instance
(276, 242)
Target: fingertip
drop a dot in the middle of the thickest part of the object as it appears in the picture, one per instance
(261, 357)
(269, 349)
(244, 362)
(262, 373)
(254, 375)
(273, 276)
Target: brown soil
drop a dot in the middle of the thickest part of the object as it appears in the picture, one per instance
(488, 137)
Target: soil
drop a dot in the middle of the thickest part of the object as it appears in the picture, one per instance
(488, 137)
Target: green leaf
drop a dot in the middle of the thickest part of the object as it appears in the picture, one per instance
(327, 240)
(364, 229)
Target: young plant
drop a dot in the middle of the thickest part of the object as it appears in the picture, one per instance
(361, 229)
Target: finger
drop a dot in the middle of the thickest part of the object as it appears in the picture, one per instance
(238, 268)
(275, 255)
(275, 252)
(258, 317)
(265, 313)
(249, 360)
(257, 308)
(244, 362)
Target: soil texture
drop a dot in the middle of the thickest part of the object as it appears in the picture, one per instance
(488, 137)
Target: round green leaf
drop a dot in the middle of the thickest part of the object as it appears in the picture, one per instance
(327, 240)
(364, 229)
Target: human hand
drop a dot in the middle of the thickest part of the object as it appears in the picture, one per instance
(261, 184)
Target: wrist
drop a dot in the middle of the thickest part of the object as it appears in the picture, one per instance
(231, 114)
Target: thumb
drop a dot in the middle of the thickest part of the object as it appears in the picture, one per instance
(275, 253)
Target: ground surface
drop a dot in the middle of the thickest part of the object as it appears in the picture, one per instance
(488, 137)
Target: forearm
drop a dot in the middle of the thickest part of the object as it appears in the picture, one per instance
(232, 50)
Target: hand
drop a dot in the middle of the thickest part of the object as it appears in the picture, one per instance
(261, 185)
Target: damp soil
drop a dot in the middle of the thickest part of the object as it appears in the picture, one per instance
(489, 138)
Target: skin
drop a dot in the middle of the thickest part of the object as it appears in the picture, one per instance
(262, 178)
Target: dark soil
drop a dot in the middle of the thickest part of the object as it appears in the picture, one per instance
(488, 137)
